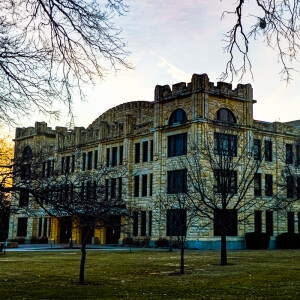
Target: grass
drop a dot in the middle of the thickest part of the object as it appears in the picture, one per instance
(151, 274)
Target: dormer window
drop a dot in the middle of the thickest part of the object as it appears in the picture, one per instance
(225, 115)
(178, 116)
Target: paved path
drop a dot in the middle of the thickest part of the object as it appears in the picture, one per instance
(49, 247)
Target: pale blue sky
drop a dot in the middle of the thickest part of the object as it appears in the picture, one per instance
(169, 40)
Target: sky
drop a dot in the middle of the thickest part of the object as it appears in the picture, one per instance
(169, 41)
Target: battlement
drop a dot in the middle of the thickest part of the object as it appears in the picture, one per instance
(39, 128)
(201, 83)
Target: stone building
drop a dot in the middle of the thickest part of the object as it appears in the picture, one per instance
(146, 144)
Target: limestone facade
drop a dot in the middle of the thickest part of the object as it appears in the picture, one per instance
(143, 129)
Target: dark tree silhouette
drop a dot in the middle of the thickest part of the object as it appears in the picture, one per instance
(277, 22)
(80, 196)
(50, 48)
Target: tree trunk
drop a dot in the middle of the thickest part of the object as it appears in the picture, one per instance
(223, 251)
(170, 245)
(83, 256)
(182, 260)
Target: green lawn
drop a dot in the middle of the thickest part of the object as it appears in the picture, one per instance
(151, 274)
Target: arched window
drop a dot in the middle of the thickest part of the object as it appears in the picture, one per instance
(27, 152)
(178, 116)
(225, 115)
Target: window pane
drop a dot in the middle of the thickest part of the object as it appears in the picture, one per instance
(145, 151)
(289, 154)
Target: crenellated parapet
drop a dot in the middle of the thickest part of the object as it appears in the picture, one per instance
(40, 128)
(201, 83)
(276, 128)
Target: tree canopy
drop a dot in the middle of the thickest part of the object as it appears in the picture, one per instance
(50, 48)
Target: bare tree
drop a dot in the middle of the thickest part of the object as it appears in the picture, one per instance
(277, 22)
(61, 192)
(220, 175)
(50, 49)
(180, 217)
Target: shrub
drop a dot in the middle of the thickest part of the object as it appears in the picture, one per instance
(162, 242)
(288, 240)
(39, 240)
(257, 240)
(145, 242)
(128, 241)
(17, 240)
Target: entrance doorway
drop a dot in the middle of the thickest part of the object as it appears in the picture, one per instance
(65, 229)
(113, 230)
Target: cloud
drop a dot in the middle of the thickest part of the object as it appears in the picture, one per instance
(175, 72)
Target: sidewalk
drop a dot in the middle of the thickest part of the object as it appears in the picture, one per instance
(63, 247)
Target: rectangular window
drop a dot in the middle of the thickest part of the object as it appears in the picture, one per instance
(289, 154)
(143, 223)
(121, 155)
(106, 189)
(268, 151)
(136, 185)
(95, 191)
(83, 161)
(257, 184)
(257, 149)
(151, 150)
(257, 221)
(120, 188)
(269, 223)
(268, 185)
(291, 222)
(298, 154)
(145, 151)
(96, 159)
(225, 144)
(113, 188)
(151, 185)
(62, 165)
(45, 227)
(25, 171)
(44, 169)
(73, 164)
(177, 181)
(24, 199)
(88, 191)
(298, 189)
(137, 153)
(176, 222)
(107, 157)
(49, 227)
(90, 160)
(144, 185)
(40, 227)
(135, 223)
(225, 222)
(150, 223)
(290, 187)
(49, 173)
(177, 145)
(22, 227)
(114, 161)
(225, 181)
(68, 160)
